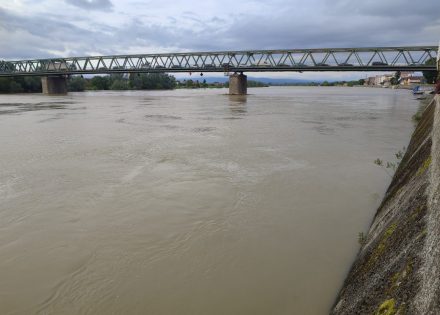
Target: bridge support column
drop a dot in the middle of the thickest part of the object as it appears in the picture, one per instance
(237, 84)
(54, 85)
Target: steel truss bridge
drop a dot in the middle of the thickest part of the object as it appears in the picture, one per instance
(328, 59)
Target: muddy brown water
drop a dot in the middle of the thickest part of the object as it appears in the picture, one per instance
(190, 201)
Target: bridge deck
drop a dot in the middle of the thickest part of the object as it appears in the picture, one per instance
(331, 59)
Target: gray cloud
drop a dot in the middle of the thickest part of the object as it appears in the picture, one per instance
(104, 5)
(287, 30)
(303, 24)
(389, 8)
(34, 37)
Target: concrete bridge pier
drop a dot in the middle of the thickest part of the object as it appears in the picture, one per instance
(54, 85)
(238, 84)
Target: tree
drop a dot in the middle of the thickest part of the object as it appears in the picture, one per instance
(20, 85)
(152, 81)
(15, 87)
(100, 83)
(252, 83)
(189, 83)
(76, 84)
(4, 85)
(32, 84)
(396, 78)
(431, 75)
(119, 85)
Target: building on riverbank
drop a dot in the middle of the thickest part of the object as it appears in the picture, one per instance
(379, 80)
(406, 79)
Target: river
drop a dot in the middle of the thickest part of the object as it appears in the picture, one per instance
(190, 201)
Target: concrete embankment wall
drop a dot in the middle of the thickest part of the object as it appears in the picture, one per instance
(397, 270)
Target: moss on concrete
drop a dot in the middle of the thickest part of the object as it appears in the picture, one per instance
(381, 246)
(387, 308)
(422, 169)
(400, 276)
(385, 277)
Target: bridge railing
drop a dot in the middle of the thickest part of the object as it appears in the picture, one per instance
(332, 59)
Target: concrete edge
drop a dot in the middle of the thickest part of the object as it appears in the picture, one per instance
(427, 300)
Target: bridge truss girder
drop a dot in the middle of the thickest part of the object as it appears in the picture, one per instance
(333, 59)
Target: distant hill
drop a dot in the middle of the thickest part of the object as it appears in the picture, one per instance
(282, 81)
(264, 80)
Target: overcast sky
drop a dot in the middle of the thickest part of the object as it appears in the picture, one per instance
(46, 28)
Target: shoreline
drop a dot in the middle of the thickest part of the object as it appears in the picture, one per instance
(397, 267)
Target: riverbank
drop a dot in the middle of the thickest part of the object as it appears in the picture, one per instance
(397, 269)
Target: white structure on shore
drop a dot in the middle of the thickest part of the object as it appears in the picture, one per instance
(406, 78)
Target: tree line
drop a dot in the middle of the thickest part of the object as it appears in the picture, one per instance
(133, 81)
(196, 84)
(77, 83)
(20, 85)
(141, 81)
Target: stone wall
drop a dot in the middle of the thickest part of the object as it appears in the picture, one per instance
(397, 269)
(54, 85)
